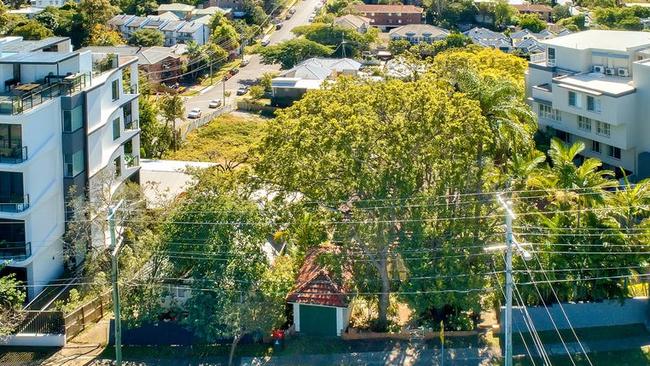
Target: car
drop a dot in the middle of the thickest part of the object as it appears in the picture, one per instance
(278, 26)
(288, 16)
(215, 103)
(292, 11)
(266, 40)
(245, 62)
(234, 71)
(194, 113)
(243, 90)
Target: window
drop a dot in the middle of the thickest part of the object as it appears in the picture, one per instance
(593, 104)
(595, 147)
(584, 123)
(603, 129)
(73, 164)
(565, 137)
(614, 152)
(551, 56)
(115, 88)
(116, 129)
(73, 119)
(574, 100)
(546, 111)
(118, 166)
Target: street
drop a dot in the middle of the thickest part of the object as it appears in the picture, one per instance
(255, 69)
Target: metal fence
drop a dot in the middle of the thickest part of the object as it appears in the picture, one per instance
(193, 124)
(42, 322)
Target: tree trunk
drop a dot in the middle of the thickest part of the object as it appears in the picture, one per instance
(233, 346)
(384, 298)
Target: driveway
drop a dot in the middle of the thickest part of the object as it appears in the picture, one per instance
(255, 69)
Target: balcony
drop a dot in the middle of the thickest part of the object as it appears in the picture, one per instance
(543, 92)
(131, 160)
(14, 204)
(13, 155)
(17, 251)
(131, 124)
(22, 97)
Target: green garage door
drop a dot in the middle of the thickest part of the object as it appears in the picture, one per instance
(317, 320)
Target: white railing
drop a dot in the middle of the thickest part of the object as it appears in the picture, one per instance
(537, 58)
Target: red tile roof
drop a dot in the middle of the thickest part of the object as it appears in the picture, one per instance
(315, 284)
(533, 7)
(370, 8)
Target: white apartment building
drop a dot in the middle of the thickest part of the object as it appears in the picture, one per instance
(594, 86)
(174, 29)
(65, 117)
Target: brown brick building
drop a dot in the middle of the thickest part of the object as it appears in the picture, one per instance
(386, 17)
(543, 11)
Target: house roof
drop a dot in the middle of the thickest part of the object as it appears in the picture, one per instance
(155, 54)
(31, 46)
(530, 45)
(121, 19)
(533, 7)
(478, 33)
(367, 8)
(180, 7)
(118, 50)
(172, 25)
(521, 34)
(168, 15)
(352, 21)
(155, 22)
(211, 10)
(419, 30)
(137, 21)
(205, 20)
(602, 40)
(315, 284)
(190, 27)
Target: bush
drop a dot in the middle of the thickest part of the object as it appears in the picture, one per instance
(257, 92)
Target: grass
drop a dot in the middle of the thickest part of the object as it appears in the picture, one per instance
(219, 74)
(226, 138)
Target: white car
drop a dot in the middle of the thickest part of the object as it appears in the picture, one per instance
(215, 103)
(194, 113)
(311, 18)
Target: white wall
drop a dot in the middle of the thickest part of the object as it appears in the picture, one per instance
(34, 340)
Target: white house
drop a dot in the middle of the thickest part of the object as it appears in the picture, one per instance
(174, 29)
(65, 116)
(593, 86)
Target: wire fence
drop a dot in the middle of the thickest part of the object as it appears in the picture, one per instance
(193, 124)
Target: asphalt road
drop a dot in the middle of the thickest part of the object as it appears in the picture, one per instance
(255, 69)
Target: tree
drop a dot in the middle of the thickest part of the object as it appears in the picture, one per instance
(291, 52)
(48, 20)
(172, 108)
(503, 14)
(31, 30)
(560, 12)
(12, 298)
(147, 37)
(156, 137)
(574, 23)
(224, 33)
(254, 13)
(398, 47)
(257, 92)
(338, 38)
(370, 142)
(101, 35)
(457, 12)
(532, 22)
(138, 7)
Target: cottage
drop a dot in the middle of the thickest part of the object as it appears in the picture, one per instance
(351, 21)
(418, 33)
(386, 17)
(320, 304)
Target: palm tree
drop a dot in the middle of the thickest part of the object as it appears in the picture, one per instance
(172, 108)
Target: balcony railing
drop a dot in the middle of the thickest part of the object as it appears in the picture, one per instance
(13, 155)
(131, 160)
(130, 89)
(131, 125)
(14, 204)
(53, 86)
(18, 251)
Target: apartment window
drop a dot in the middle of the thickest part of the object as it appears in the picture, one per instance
(593, 104)
(115, 89)
(595, 147)
(73, 119)
(118, 166)
(73, 164)
(574, 100)
(584, 123)
(116, 128)
(546, 111)
(603, 129)
(551, 56)
(614, 152)
(564, 136)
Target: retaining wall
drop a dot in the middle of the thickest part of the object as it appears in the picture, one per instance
(584, 315)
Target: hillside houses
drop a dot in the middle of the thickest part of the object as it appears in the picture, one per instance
(523, 41)
(174, 29)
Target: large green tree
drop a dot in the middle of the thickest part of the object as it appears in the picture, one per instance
(147, 38)
(291, 52)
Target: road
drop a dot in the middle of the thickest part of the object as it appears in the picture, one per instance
(255, 69)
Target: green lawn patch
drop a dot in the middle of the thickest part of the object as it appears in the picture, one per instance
(227, 138)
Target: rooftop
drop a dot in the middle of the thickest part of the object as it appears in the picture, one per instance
(388, 8)
(175, 7)
(121, 19)
(315, 284)
(596, 83)
(31, 46)
(532, 7)
(602, 40)
(419, 29)
(352, 20)
(38, 58)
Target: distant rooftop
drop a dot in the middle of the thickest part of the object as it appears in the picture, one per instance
(39, 58)
(175, 7)
(376, 8)
(596, 84)
(31, 46)
(602, 40)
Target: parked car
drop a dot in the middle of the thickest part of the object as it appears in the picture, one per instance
(215, 103)
(245, 62)
(278, 26)
(292, 11)
(234, 71)
(243, 90)
(311, 18)
(288, 16)
(194, 113)
(266, 40)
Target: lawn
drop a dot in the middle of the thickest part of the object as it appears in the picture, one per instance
(228, 137)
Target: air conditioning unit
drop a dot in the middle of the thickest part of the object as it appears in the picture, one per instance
(623, 71)
(598, 68)
(609, 71)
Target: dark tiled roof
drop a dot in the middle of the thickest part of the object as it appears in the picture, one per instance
(315, 284)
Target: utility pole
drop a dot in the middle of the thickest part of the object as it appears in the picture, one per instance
(115, 248)
(224, 92)
(342, 45)
(508, 318)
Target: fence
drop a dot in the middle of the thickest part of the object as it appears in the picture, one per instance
(88, 313)
(192, 125)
